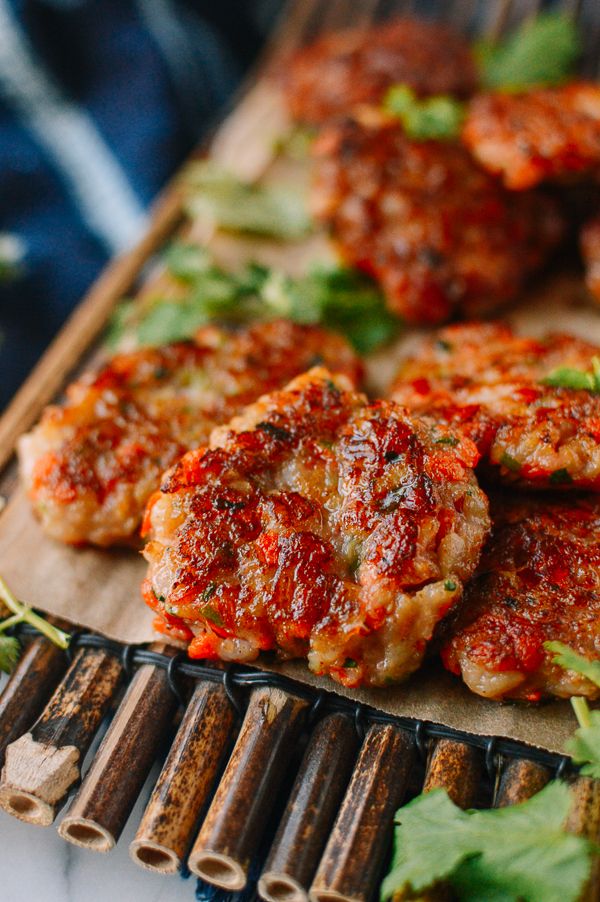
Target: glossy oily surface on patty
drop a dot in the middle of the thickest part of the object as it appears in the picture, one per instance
(490, 384)
(441, 236)
(538, 581)
(327, 78)
(91, 463)
(320, 525)
(550, 134)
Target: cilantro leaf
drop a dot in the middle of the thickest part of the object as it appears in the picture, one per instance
(543, 51)
(437, 118)
(9, 653)
(536, 859)
(233, 205)
(568, 377)
(569, 659)
(584, 746)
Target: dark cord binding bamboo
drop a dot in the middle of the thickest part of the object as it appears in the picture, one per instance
(123, 761)
(352, 860)
(183, 788)
(244, 799)
(42, 765)
(313, 804)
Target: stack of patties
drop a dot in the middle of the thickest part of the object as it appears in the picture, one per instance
(533, 410)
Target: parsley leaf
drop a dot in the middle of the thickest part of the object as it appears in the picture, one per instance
(217, 195)
(438, 118)
(9, 653)
(569, 659)
(542, 52)
(584, 746)
(568, 377)
(334, 296)
(536, 860)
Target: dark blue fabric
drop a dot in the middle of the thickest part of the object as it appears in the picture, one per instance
(151, 76)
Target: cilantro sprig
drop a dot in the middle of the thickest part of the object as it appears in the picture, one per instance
(535, 859)
(215, 194)
(431, 118)
(584, 746)
(541, 53)
(20, 613)
(569, 377)
(335, 296)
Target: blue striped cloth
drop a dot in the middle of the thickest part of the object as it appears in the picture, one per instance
(100, 101)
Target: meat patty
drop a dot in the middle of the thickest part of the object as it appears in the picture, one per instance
(92, 463)
(339, 71)
(440, 235)
(490, 384)
(320, 525)
(538, 581)
(549, 134)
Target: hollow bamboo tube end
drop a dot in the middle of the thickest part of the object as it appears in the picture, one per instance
(87, 834)
(219, 869)
(329, 895)
(278, 887)
(26, 806)
(36, 778)
(154, 857)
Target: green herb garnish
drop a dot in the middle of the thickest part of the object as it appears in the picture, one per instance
(210, 613)
(350, 664)
(430, 118)
(447, 440)
(584, 747)
(217, 195)
(510, 462)
(450, 585)
(9, 645)
(536, 858)
(560, 477)
(542, 52)
(579, 380)
(334, 296)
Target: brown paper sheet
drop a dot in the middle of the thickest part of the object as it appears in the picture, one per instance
(99, 590)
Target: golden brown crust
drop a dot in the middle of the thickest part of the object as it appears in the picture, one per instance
(316, 524)
(339, 71)
(538, 581)
(91, 463)
(550, 134)
(489, 383)
(441, 236)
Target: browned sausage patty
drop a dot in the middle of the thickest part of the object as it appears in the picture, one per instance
(320, 525)
(490, 383)
(441, 236)
(538, 581)
(92, 462)
(550, 134)
(328, 78)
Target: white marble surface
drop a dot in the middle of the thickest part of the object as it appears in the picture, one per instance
(36, 865)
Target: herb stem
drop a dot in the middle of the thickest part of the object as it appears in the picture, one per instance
(22, 612)
(582, 712)
(11, 621)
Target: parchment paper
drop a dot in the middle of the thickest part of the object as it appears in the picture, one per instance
(99, 590)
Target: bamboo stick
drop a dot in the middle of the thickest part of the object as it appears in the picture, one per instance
(185, 782)
(42, 765)
(457, 768)
(352, 861)
(245, 796)
(519, 780)
(120, 767)
(584, 820)
(310, 812)
(31, 684)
